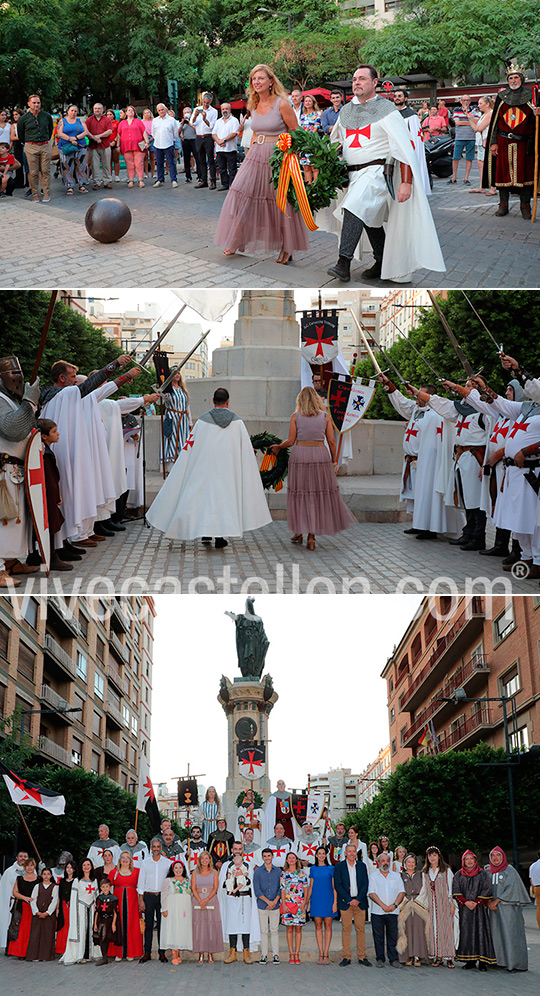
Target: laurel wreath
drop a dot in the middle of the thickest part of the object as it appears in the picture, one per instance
(256, 795)
(277, 474)
(324, 157)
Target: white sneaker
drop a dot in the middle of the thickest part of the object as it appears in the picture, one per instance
(275, 960)
(174, 183)
(263, 960)
(158, 183)
(117, 179)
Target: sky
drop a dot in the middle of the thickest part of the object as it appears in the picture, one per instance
(326, 655)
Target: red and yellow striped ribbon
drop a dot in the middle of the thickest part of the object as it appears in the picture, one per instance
(268, 462)
(290, 170)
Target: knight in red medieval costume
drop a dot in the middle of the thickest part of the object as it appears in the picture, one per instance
(510, 155)
(18, 404)
(372, 132)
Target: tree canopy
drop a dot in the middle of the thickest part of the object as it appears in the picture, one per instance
(452, 801)
(506, 314)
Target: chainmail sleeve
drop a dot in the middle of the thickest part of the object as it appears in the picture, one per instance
(94, 380)
(16, 425)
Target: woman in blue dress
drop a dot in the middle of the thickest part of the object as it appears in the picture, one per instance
(177, 422)
(210, 810)
(323, 898)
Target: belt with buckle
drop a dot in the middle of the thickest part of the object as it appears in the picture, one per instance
(374, 162)
(8, 458)
(513, 136)
(529, 464)
(261, 139)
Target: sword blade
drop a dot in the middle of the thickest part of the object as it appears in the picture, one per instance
(482, 322)
(150, 352)
(467, 366)
(417, 351)
(371, 354)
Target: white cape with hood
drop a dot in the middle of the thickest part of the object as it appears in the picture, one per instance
(214, 488)
(411, 238)
(74, 459)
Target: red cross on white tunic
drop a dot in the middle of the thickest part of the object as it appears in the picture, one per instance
(321, 338)
(188, 445)
(462, 425)
(519, 425)
(248, 857)
(500, 430)
(90, 887)
(356, 143)
(309, 849)
(36, 476)
(278, 851)
(410, 431)
(439, 429)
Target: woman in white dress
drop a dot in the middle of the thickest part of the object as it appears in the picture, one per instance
(176, 926)
(210, 810)
(80, 946)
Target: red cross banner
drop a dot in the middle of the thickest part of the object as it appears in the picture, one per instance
(34, 479)
(25, 793)
(251, 758)
(348, 402)
(319, 336)
(146, 797)
(299, 808)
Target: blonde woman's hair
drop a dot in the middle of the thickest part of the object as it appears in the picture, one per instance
(315, 104)
(489, 100)
(276, 87)
(130, 860)
(182, 385)
(199, 865)
(309, 403)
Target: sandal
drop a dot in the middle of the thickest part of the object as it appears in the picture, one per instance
(297, 538)
(83, 190)
(409, 962)
(292, 960)
(210, 958)
(130, 183)
(417, 963)
(229, 252)
(141, 183)
(311, 543)
(437, 963)
(69, 190)
(326, 959)
(450, 963)
(297, 960)
(320, 961)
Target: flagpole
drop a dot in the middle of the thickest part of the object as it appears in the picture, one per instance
(136, 817)
(28, 831)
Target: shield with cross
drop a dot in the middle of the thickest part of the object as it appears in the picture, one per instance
(348, 402)
(34, 480)
(299, 808)
(319, 336)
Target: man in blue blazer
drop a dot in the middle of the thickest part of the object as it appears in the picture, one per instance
(351, 884)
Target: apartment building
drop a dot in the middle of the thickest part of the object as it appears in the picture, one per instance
(481, 648)
(340, 787)
(375, 772)
(82, 676)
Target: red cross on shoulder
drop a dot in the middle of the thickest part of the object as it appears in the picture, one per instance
(519, 425)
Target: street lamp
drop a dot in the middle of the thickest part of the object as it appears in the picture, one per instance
(278, 13)
(458, 698)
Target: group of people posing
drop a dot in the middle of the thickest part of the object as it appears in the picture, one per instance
(202, 894)
(473, 459)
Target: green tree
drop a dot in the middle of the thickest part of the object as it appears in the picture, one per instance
(506, 314)
(457, 39)
(452, 801)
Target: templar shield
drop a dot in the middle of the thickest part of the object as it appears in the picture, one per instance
(348, 402)
(319, 336)
(299, 808)
(251, 758)
(34, 480)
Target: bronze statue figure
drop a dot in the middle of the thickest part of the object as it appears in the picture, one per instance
(251, 641)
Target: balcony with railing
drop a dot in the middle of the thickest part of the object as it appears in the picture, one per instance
(121, 683)
(468, 676)
(58, 655)
(63, 615)
(55, 701)
(113, 749)
(119, 620)
(55, 751)
(118, 648)
(468, 732)
(466, 628)
(114, 713)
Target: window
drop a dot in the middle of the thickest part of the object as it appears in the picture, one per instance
(125, 714)
(125, 749)
(29, 611)
(82, 665)
(26, 717)
(146, 695)
(96, 723)
(76, 751)
(26, 662)
(78, 703)
(510, 684)
(124, 780)
(4, 640)
(391, 685)
(458, 722)
(520, 739)
(100, 648)
(134, 725)
(94, 763)
(394, 747)
(477, 655)
(83, 626)
(146, 720)
(134, 757)
(503, 625)
(392, 715)
(99, 684)
(3, 699)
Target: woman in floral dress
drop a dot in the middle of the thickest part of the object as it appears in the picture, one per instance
(310, 120)
(294, 889)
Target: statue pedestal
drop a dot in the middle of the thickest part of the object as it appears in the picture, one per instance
(247, 710)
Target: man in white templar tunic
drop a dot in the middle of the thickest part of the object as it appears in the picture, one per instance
(214, 488)
(372, 133)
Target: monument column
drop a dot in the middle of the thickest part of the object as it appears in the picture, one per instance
(261, 370)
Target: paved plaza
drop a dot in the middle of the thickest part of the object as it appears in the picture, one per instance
(370, 557)
(191, 979)
(170, 243)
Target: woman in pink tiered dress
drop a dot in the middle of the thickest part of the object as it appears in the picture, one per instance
(250, 217)
(314, 502)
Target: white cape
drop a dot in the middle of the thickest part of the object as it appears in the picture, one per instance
(214, 488)
(231, 928)
(73, 456)
(6, 889)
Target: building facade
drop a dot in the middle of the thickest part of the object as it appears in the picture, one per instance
(478, 648)
(340, 787)
(370, 779)
(372, 13)
(403, 307)
(93, 657)
(366, 308)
